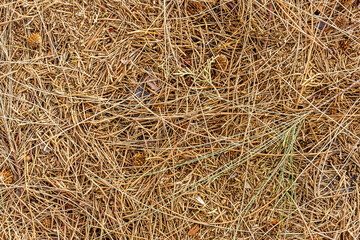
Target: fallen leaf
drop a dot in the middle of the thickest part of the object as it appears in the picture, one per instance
(152, 84)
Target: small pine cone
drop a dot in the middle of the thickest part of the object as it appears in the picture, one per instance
(138, 159)
(34, 40)
(344, 45)
(221, 63)
(194, 7)
(6, 177)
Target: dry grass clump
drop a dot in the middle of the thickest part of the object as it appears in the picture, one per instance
(179, 119)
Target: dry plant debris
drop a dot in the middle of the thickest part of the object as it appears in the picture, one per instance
(6, 177)
(207, 119)
(342, 22)
(221, 62)
(193, 230)
(194, 7)
(28, 158)
(345, 45)
(138, 159)
(34, 40)
(346, 3)
(46, 222)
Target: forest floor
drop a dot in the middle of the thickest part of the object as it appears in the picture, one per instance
(179, 119)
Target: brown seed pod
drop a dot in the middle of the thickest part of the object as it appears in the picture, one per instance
(28, 158)
(6, 177)
(220, 63)
(34, 40)
(138, 159)
(194, 7)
